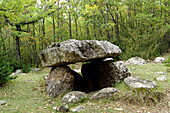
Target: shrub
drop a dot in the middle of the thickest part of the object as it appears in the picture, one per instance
(167, 62)
(26, 68)
(14, 64)
(5, 71)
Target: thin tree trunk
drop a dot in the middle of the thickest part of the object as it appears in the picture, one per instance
(54, 30)
(69, 14)
(44, 39)
(18, 53)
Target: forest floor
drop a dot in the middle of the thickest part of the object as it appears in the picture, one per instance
(26, 94)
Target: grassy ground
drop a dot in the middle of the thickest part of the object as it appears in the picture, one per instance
(26, 94)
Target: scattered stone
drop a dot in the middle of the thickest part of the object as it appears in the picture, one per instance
(18, 71)
(119, 109)
(133, 68)
(101, 74)
(139, 83)
(36, 69)
(159, 59)
(71, 51)
(2, 102)
(62, 79)
(28, 80)
(63, 108)
(161, 72)
(162, 78)
(136, 61)
(54, 108)
(45, 76)
(73, 97)
(105, 93)
(78, 108)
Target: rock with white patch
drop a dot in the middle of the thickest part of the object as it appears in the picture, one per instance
(136, 61)
(72, 97)
(162, 78)
(78, 108)
(159, 59)
(133, 82)
(105, 93)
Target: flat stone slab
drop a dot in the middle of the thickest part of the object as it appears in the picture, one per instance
(105, 93)
(71, 51)
(139, 83)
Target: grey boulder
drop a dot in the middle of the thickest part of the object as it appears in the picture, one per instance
(133, 82)
(159, 59)
(105, 93)
(71, 51)
(72, 97)
(136, 61)
(62, 79)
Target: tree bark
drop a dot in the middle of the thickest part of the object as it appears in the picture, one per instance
(69, 15)
(54, 30)
(18, 53)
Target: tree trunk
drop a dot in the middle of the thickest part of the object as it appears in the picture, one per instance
(44, 39)
(18, 53)
(69, 16)
(54, 29)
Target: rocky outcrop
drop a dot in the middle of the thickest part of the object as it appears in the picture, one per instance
(101, 74)
(139, 83)
(73, 97)
(159, 59)
(62, 79)
(71, 51)
(136, 61)
(104, 93)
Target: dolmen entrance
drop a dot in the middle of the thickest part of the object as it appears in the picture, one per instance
(98, 68)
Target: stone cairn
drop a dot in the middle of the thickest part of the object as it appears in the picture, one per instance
(97, 74)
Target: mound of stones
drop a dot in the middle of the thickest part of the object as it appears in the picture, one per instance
(96, 72)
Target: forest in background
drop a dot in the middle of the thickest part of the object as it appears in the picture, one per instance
(139, 27)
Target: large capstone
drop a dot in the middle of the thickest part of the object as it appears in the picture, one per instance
(62, 79)
(101, 74)
(71, 51)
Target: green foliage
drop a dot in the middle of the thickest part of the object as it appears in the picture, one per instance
(26, 68)
(5, 71)
(145, 43)
(14, 64)
(167, 62)
(6, 68)
(143, 96)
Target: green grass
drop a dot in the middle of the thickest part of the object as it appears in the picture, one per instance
(27, 93)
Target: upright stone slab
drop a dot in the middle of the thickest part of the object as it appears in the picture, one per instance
(101, 74)
(62, 79)
(71, 51)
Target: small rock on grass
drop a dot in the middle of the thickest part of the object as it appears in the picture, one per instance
(119, 109)
(78, 108)
(105, 93)
(63, 108)
(2, 102)
(162, 78)
(161, 72)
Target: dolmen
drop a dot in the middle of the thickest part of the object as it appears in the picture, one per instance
(98, 68)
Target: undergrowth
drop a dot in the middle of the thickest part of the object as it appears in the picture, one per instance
(143, 96)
